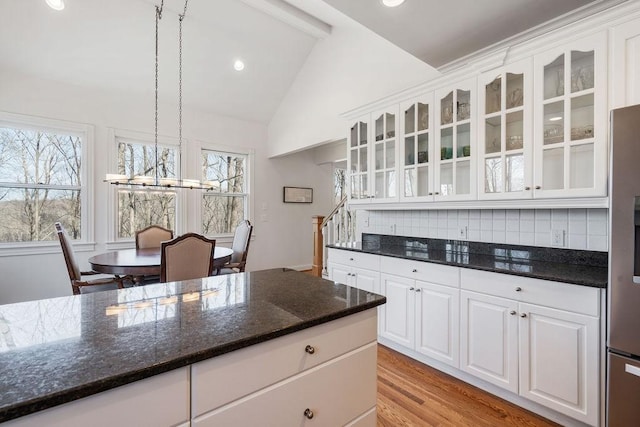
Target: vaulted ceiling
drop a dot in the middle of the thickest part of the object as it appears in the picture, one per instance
(110, 44)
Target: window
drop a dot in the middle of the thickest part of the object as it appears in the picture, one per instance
(140, 207)
(226, 203)
(40, 179)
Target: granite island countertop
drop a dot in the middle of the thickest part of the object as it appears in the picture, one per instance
(58, 350)
(586, 268)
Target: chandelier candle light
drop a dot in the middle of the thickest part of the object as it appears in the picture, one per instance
(155, 181)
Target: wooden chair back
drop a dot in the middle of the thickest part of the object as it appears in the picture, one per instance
(67, 251)
(189, 256)
(152, 237)
(240, 246)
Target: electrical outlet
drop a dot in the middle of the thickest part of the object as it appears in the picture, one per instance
(557, 238)
(392, 229)
(462, 233)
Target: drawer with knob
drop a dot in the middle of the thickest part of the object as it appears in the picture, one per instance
(576, 298)
(223, 379)
(419, 270)
(354, 259)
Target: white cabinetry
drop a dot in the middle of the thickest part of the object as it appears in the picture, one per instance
(384, 140)
(536, 338)
(455, 134)
(625, 57)
(342, 269)
(422, 308)
(570, 130)
(320, 376)
(358, 160)
(417, 151)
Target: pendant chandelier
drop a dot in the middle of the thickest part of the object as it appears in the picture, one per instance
(156, 180)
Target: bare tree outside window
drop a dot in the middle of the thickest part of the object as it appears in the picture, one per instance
(141, 207)
(225, 205)
(40, 184)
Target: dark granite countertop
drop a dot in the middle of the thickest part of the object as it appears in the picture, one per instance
(61, 349)
(586, 268)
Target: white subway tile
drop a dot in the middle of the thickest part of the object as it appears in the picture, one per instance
(513, 238)
(577, 226)
(513, 225)
(486, 236)
(577, 241)
(463, 214)
(499, 214)
(577, 215)
(597, 243)
(443, 233)
(527, 215)
(527, 226)
(513, 214)
(527, 238)
(474, 224)
(543, 239)
(474, 213)
(499, 236)
(474, 235)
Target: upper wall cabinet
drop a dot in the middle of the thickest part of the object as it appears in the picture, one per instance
(358, 160)
(417, 149)
(385, 154)
(455, 165)
(505, 149)
(570, 130)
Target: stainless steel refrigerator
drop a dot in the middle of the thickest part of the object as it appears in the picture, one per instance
(623, 376)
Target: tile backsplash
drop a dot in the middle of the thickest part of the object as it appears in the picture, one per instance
(585, 229)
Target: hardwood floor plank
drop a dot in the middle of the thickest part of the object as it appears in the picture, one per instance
(413, 394)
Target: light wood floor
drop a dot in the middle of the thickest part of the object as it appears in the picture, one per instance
(413, 394)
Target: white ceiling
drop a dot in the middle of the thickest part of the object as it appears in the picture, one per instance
(110, 44)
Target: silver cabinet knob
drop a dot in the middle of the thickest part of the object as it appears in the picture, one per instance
(310, 349)
(431, 194)
(350, 259)
(523, 315)
(308, 413)
(512, 312)
(412, 288)
(417, 289)
(518, 289)
(437, 192)
(527, 188)
(538, 187)
(414, 270)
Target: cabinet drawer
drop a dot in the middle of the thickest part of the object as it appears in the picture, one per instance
(337, 392)
(354, 259)
(576, 298)
(424, 271)
(220, 380)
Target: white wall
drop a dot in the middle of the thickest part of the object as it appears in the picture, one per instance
(584, 229)
(350, 68)
(283, 233)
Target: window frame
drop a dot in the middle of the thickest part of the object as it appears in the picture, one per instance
(115, 137)
(249, 185)
(86, 133)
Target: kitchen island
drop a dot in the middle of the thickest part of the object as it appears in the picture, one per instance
(216, 351)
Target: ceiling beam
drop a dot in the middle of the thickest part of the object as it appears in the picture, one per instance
(293, 16)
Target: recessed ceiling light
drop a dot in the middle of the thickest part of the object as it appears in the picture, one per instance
(238, 65)
(392, 3)
(56, 4)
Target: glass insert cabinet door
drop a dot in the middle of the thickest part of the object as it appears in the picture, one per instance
(571, 133)
(505, 148)
(358, 159)
(416, 149)
(454, 156)
(384, 138)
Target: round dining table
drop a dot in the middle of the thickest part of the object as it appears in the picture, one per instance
(143, 262)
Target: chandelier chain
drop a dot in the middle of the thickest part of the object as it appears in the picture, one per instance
(180, 18)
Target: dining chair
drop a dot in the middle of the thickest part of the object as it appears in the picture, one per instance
(80, 284)
(240, 246)
(189, 256)
(152, 236)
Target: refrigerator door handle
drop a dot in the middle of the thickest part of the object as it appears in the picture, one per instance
(633, 370)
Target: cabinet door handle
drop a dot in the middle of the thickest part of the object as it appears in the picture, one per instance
(431, 194)
(414, 270)
(310, 349)
(417, 289)
(527, 188)
(518, 289)
(512, 312)
(523, 315)
(412, 289)
(437, 192)
(538, 187)
(308, 413)
(350, 259)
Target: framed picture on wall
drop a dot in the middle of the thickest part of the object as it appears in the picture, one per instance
(297, 195)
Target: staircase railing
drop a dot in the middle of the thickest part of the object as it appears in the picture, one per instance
(337, 228)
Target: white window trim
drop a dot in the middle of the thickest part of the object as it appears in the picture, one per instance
(87, 133)
(114, 135)
(196, 207)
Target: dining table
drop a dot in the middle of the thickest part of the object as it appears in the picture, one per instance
(143, 262)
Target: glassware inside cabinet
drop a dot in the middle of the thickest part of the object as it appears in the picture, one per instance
(464, 104)
(582, 117)
(423, 116)
(514, 130)
(446, 143)
(423, 148)
(391, 125)
(515, 91)
(354, 160)
(363, 133)
(446, 179)
(463, 140)
(554, 78)
(409, 182)
(379, 123)
(493, 132)
(354, 136)
(409, 151)
(515, 172)
(493, 175)
(391, 184)
(446, 109)
(582, 75)
(410, 119)
(493, 96)
(554, 123)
